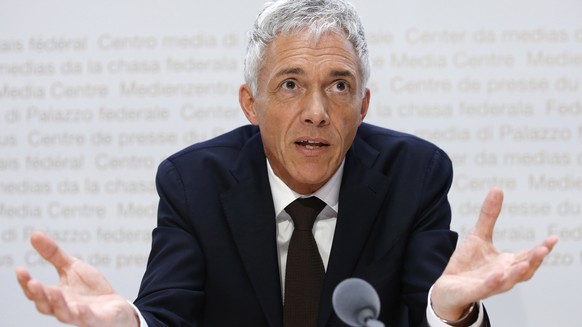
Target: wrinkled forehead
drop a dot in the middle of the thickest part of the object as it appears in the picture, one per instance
(335, 42)
(304, 54)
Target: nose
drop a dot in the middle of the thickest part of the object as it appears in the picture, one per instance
(315, 110)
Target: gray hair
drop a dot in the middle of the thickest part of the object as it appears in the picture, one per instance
(315, 16)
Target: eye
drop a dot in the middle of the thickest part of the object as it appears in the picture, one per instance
(340, 86)
(289, 85)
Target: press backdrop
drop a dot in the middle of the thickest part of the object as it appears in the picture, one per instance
(94, 94)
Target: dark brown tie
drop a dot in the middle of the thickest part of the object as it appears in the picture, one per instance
(305, 272)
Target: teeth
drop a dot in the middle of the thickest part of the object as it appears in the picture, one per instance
(311, 145)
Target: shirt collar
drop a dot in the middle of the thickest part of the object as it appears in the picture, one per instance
(283, 195)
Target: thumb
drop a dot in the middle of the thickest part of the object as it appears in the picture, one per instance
(50, 251)
(490, 210)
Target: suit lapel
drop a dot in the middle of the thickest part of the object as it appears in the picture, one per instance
(361, 195)
(251, 216)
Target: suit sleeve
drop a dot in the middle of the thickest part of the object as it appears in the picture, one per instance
(431, 241)
(172, 289)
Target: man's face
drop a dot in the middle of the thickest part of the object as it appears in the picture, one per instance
(308, 107)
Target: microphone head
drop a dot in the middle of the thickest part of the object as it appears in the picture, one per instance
(355, 301)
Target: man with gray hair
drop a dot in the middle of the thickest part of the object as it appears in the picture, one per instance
(258, 226)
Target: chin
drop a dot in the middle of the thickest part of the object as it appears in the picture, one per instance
(314, 179)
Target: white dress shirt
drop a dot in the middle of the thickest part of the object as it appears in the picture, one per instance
(323, 229)
(324, 225)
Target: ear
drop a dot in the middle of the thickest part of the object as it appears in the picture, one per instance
(247, 104)
(365, 105)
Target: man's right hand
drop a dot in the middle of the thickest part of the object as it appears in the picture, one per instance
(83, 296)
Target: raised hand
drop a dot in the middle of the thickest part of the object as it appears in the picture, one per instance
(83, 296)
(477, 270)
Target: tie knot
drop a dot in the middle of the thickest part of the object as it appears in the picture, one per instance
(303, 211)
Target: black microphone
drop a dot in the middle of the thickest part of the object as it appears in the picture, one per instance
(356, 303)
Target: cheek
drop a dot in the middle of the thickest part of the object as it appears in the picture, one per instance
(348, 122)
(273, 135)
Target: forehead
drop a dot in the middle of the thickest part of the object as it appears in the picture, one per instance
(308, 48)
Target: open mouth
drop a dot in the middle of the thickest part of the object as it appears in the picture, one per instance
(311, 145)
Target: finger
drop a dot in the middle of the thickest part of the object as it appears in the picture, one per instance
(538, 255)
(34, 291)
(39, 297)
(488, 216)
(539, 252)
(524, 269)
(59, 305)
(23, 278)
(550, 242)
(495, 283)
(50, 251)
(504, 280)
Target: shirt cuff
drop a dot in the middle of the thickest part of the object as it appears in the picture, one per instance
(435, 321)
(142, 322)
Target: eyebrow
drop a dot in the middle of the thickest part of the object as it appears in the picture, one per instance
(290, 71)
(342, 73)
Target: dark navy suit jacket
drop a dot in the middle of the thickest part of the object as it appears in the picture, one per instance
(214, 261)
